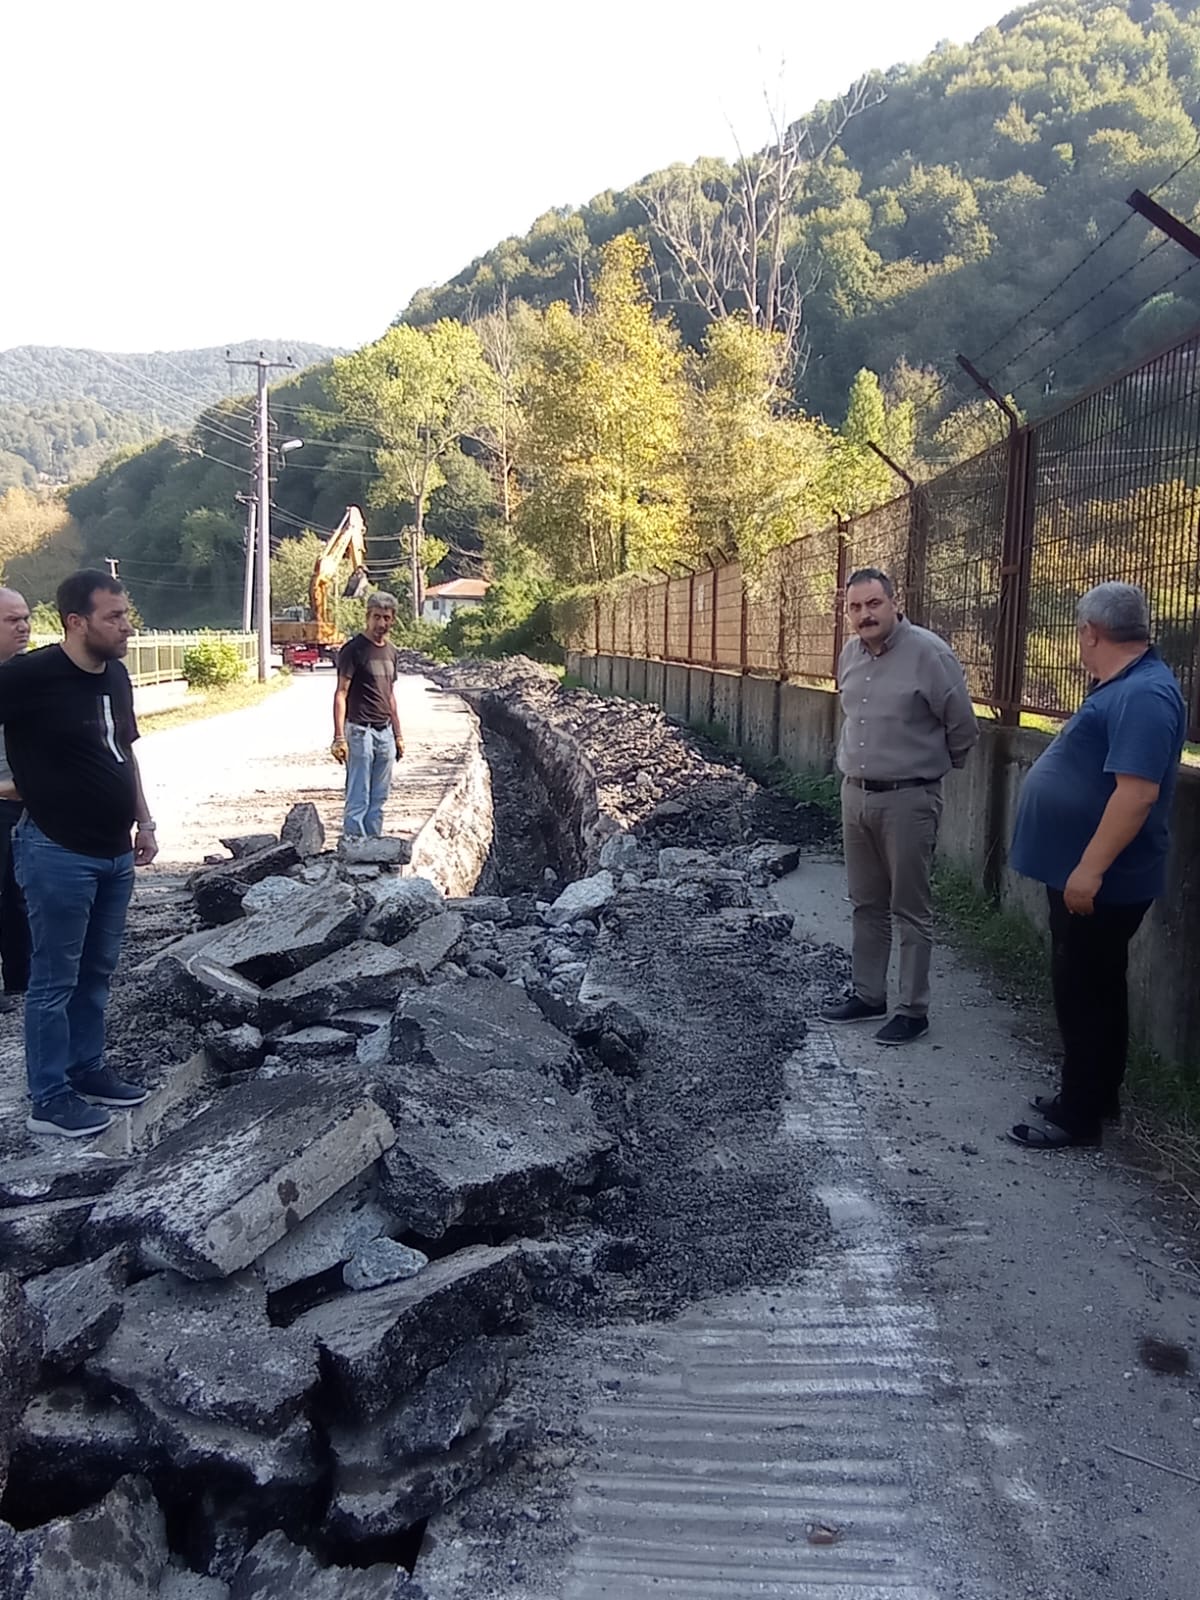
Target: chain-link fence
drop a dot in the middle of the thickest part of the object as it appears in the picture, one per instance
(158, 657)
(992, 554)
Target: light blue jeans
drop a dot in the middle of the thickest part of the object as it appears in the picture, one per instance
(369, 768)
(76, 907)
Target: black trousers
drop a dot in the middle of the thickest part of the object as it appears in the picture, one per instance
(1088, 959)
(14, 925)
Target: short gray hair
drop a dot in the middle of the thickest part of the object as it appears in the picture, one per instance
(383, 602)
(1119, 610)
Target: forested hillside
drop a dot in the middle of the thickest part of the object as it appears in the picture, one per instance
(702, 361)
(959, 192)
(64, 412)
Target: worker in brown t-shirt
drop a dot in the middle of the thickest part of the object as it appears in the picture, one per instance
(366, 722)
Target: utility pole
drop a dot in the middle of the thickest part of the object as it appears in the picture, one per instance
(112, 563)
(248, 585)
(262, 469)
(419, 531)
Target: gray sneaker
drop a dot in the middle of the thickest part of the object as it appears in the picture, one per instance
(68, 1116)
(103, 1088)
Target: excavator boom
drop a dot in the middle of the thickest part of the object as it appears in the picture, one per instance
(348, 539)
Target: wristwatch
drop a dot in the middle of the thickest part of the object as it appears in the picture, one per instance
(147, 827)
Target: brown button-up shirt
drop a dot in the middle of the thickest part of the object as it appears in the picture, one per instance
(907, 711)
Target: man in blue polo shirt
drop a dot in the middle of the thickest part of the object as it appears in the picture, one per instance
(1092, 825)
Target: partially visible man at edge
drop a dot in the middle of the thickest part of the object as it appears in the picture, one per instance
(14, 925)
(1093, 825)
(69, 729)
(907, 721)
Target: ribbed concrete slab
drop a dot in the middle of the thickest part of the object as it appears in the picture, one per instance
(763, 1420)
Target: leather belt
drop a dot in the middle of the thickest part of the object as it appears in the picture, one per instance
(878, 786)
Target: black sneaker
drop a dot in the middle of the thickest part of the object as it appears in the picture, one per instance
(852, 1010)
(68, 1116)
(103, 1088)
(902, 1030)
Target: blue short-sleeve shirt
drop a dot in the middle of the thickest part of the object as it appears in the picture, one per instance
(1134, 724)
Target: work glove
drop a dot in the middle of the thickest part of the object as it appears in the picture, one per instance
(339, 750)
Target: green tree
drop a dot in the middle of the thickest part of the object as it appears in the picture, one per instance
(421, 392)
(867, 480)
(757, 473)
(604, 401)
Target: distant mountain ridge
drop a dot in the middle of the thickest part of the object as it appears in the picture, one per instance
(63, 410)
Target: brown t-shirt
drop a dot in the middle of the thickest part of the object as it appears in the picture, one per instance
(371, 669)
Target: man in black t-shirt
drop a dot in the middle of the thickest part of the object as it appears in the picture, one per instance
(366, 723)
(69, 731)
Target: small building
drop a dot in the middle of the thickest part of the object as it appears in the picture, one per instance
(444, 599)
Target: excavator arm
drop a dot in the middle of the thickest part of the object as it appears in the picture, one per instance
(349, 538)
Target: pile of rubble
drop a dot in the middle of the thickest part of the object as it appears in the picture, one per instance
(264, 1328)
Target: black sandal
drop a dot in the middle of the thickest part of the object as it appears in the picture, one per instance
(1052, 1138)
(1048, 1105)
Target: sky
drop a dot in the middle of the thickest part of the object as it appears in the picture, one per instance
(183, 176)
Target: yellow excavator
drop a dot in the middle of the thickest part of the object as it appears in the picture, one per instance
(305, 634)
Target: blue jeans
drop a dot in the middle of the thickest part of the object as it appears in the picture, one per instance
(76, 907)
(369, 768)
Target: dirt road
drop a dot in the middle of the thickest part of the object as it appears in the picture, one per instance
(239, 773)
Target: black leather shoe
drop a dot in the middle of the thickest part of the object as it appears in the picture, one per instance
(902, 1030)
(852, 1010)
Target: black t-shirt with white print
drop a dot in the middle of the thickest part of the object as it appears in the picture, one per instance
(69, 736)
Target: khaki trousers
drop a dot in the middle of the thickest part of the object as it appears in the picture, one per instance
(889, 840)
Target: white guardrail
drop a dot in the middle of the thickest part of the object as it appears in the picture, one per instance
(158, 657)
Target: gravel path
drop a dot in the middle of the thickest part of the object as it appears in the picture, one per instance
(240, 773)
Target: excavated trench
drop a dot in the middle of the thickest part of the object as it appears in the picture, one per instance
(586, 1095)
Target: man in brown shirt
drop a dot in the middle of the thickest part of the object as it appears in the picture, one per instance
(366, 722)
(907, 721)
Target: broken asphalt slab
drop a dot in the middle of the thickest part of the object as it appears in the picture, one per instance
(398, 905)
(35, 1238)
(361, 975)
(277, 1569)
(212, 1197)
(497, 1148)
(81, 1307)
(366, 1508)
(270, 946)
(21, 1332)
(477, 1025)
(209, 1351)
(116, 1550)
(218, 891)
(303, 827)
(377, 1343)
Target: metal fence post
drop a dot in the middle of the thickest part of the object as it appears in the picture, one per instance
(1019, 502)
(712, 654)
(596, 620)
(839, 598)
(744, 642)
(691, 653)
(916, 596)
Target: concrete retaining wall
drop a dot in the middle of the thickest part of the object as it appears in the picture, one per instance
(799, 725)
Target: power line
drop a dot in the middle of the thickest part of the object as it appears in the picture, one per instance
(1083, 306)
(1111, 323)
(1079, 265)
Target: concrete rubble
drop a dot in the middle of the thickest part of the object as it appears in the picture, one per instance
(286, 1314)
(212, 1197)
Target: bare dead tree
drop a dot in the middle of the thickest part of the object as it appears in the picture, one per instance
(729, 252)
(498, 432)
